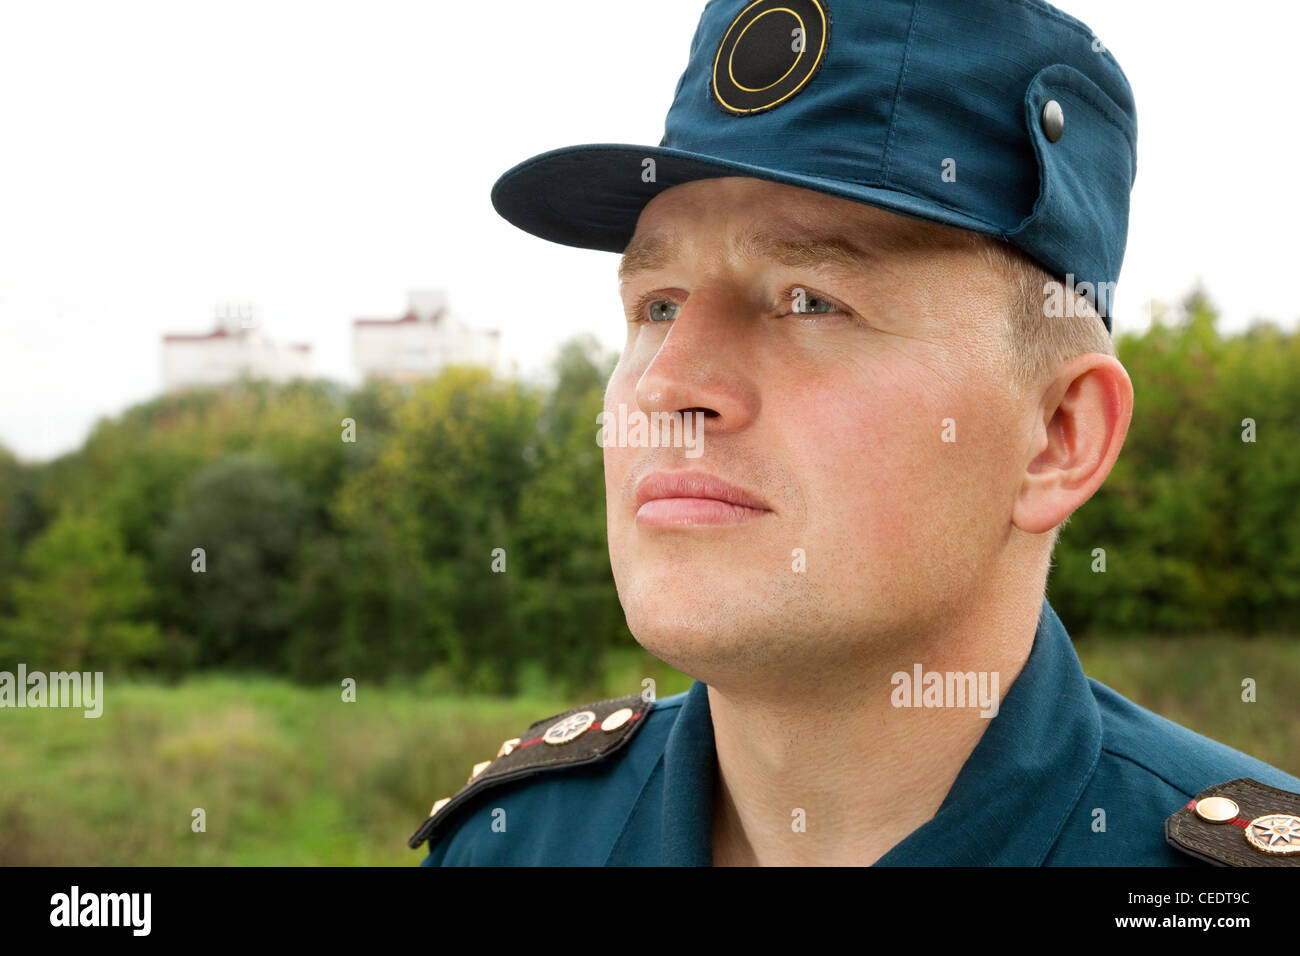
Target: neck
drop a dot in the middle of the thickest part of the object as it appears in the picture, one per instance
(831, 770)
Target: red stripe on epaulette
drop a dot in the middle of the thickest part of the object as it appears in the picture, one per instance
(538, 740)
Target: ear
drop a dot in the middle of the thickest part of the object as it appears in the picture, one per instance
(1085, 414)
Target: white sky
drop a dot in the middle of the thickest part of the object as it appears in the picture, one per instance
(320, 159)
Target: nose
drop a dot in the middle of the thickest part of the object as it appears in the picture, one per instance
(705, 364)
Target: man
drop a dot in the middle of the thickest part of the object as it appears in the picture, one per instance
(874, 256)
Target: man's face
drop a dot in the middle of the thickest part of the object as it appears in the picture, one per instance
(835, 417)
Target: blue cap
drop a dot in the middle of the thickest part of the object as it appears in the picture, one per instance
(1003, 117)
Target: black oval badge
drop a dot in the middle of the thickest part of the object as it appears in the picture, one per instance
(769, 53)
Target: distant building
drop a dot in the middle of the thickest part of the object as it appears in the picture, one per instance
(422, 342)
(236, 347)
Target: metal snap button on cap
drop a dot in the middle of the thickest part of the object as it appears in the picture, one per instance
(1053, 121)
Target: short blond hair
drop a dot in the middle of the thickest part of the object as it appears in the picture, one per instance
(1034, 344)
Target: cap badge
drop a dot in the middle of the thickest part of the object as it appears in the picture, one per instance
(771, 51)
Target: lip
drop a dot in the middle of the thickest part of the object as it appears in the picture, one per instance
(689, 498)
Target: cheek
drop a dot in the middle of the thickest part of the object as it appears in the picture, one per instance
(876, 459)
(620, 390)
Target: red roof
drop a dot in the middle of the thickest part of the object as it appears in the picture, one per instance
(218, 334)
(409, 317)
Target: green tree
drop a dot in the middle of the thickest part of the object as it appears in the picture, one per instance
(441, 496)
(567, 596)
(79, 601)
(248, 517)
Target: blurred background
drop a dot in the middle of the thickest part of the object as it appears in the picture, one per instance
(254, 299)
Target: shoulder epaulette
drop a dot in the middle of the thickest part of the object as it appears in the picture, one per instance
(1239, 823)
(583, 735)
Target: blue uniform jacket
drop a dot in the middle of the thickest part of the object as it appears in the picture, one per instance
(1061, 747)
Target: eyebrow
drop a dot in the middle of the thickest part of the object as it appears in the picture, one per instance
(825, 250)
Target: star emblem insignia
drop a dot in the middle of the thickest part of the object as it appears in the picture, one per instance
(1275, 833)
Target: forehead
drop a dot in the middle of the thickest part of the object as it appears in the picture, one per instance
(753, 219)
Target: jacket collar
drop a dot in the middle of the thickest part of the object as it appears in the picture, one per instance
(1007, 805)
(690, 762)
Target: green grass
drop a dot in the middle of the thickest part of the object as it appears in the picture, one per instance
(286, 775)
(292, 775)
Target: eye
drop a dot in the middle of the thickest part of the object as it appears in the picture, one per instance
(806, 302)
(653, 307)
(663, 310)
(813, 304)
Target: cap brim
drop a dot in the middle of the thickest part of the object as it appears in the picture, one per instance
(591, 196)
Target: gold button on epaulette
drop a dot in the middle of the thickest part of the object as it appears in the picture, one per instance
(1216, 809)
(616, 720)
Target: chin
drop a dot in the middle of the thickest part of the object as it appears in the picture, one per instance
(678, 606)
(661, 612)
(711, 625)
